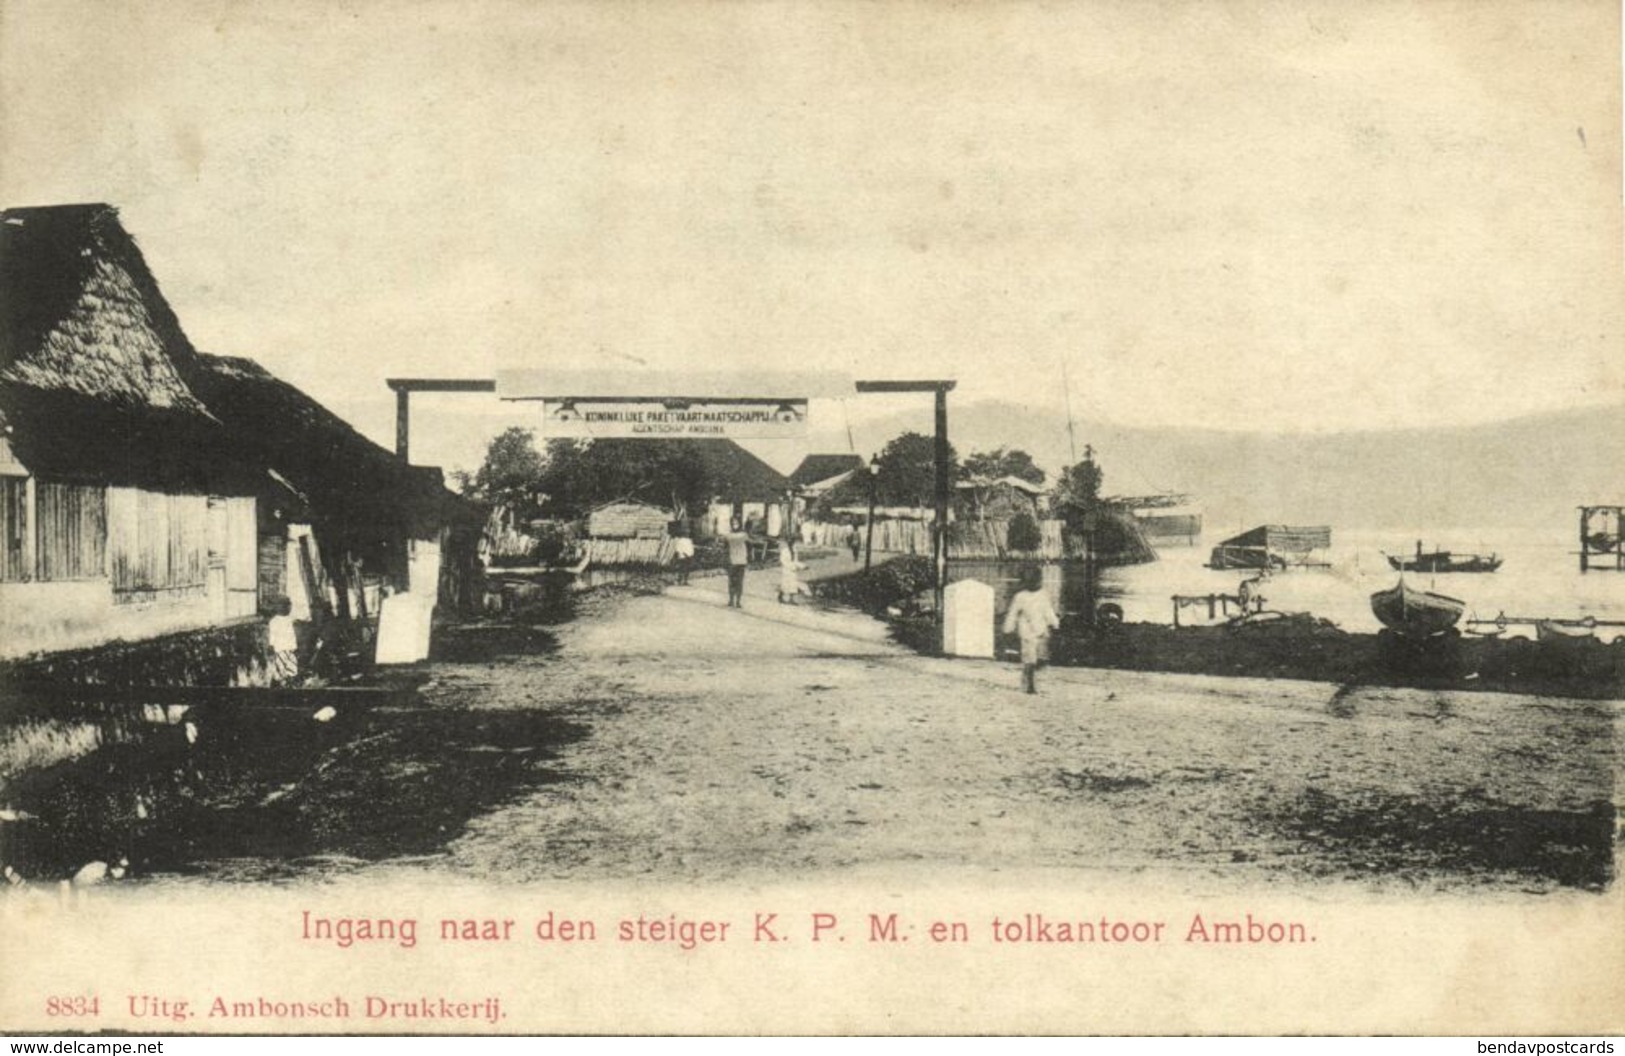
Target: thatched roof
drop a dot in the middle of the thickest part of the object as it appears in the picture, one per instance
(93, 363)
(825, 469)
(738, 475)
(347, 482)
(627, 520)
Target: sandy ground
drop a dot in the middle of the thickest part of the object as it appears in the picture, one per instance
(798, 741)
(665, 737)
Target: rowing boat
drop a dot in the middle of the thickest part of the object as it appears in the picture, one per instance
(1416, 613)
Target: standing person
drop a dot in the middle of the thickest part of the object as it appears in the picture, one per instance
(683, 556)
(854, 542)
(284, 644)
(790, 585)
(738, 557)
(1032, 617)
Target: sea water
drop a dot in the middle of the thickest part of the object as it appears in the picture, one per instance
(1540, 577)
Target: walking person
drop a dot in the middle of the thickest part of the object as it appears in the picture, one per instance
(682, 555)
(738, 557)
(1032, 618)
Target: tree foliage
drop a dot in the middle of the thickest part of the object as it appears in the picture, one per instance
(511, 474)
(1024, 533)
(582, 475)
(570, 478)
(908, 471)
(1077, 493)
(1080, 484)
(1003, 462)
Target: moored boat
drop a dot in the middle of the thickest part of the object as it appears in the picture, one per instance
(1444, 561)
(1244, 559)
(1272, 546)
(1416, 613)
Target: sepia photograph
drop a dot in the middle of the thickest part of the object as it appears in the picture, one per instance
(679, 517)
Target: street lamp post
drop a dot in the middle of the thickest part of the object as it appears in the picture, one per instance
(869, 546)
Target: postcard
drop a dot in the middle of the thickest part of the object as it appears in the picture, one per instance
(926, 517)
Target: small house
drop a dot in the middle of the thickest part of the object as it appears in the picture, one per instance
(628, 534)
(997, 498)
(127, 509)
(743, 486)
(628, 520)
(148, 489)
(343, 520)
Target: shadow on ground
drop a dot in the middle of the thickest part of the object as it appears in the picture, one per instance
(1399, 835)
(263, 791)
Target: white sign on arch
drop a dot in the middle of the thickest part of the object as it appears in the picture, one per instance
(654, 405)
(776, 420)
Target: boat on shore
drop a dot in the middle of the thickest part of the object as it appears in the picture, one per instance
(1416, 613)
(1558, 629)
(1565, 632)
(1443, 561)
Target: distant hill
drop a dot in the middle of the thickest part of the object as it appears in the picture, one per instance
(1527, 472)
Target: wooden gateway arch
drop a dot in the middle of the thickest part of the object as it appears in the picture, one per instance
(655, 406)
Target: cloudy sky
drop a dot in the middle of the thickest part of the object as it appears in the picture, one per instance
(1291, 216)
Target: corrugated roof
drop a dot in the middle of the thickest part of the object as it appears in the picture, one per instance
(1025, 486)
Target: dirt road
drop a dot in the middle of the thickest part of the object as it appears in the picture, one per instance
(784, 741)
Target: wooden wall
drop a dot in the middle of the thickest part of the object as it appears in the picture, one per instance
(14, 530)
(72, 531)
(157, 542)
(98, 563)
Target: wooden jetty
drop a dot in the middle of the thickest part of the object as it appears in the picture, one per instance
(1602, 538)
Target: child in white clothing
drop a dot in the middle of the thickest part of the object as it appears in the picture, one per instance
(1032, 617)
(790, 585)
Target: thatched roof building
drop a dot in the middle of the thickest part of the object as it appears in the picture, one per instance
(346, 482)
(146, 488)
(737, 475)
(822, 472)
(93, 363)
(983, 498)
(127, 509)
(376, 519)
(628, 520)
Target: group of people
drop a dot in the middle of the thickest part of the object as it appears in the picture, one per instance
(737, 540)
(1031, 616)
(791, 588)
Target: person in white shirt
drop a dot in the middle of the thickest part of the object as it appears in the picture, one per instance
(283, 640)
(790, 586)
(682, 550)
(1032, 618)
